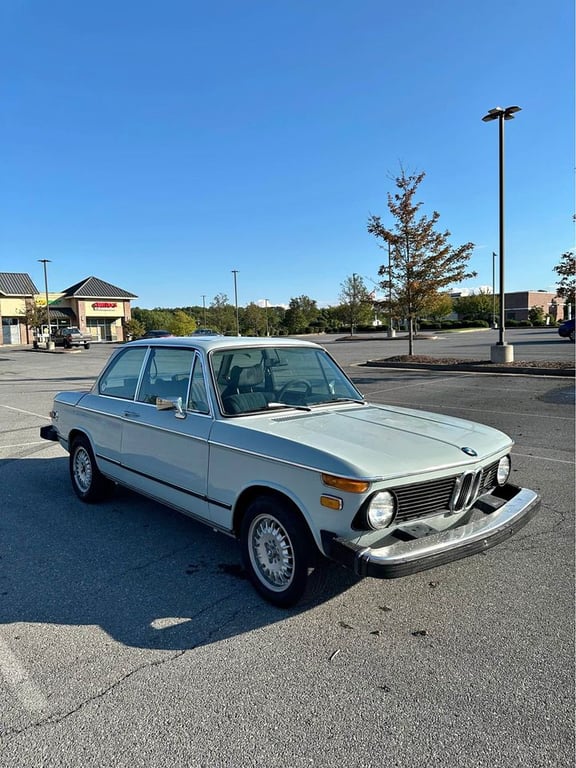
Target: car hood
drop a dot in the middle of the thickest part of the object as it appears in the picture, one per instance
(369, 441)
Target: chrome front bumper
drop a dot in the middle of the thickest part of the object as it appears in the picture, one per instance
(513, 508)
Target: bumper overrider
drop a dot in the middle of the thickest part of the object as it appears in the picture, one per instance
(48, 432)
(501, 514)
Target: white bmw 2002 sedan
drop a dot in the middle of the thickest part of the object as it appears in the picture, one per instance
(268, 440)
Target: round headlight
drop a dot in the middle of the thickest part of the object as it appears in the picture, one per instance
(503, 472)
(381, 510)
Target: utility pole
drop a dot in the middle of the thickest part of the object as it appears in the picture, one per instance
(44, 262)
(235, 273)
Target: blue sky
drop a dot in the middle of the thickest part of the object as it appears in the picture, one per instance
(161, 145)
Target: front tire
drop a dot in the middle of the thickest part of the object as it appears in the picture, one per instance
(276, 550)
(88, 482)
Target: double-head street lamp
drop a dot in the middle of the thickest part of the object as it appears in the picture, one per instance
(501, 114)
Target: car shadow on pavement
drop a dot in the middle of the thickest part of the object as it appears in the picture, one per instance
(149, 576)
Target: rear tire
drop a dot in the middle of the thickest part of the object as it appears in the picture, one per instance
(88, 482)
(86, 346)
(277, 550)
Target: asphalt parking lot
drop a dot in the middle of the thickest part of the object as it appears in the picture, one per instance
(128, 636)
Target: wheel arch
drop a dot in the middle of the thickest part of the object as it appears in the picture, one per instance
(255, 491)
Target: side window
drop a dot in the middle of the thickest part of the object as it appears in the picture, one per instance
(121, 377)
(166, 374)
(198, 398)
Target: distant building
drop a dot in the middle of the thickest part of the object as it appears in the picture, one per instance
(93, 305)
(517, 305)
(16, 288)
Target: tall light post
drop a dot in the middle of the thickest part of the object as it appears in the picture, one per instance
(235, 273)
(44, 262)
(502, 352)
(266, 311)
(204, 308)
(493, 290)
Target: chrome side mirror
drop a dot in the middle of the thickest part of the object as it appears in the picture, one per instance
(171, 403)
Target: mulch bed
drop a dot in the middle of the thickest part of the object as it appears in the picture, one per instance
(457, 362)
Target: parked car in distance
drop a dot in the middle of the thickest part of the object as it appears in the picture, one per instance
(566, 330)
(71, 337)
(205, 332)
(269, 441)
(157, 335)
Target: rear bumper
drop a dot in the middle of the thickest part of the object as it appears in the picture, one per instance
(401, 558)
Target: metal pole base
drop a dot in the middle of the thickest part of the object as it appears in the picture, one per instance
(391, 333)
(502, 353)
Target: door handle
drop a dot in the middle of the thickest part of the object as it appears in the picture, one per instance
(131, 414)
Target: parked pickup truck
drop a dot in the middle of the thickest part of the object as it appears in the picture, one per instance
(71, 337)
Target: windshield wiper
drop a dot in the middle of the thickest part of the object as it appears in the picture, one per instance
(287, 405)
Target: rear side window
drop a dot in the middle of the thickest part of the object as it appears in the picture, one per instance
(120, 379)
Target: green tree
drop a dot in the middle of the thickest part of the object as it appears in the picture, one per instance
(422, 262)
(181, 324)
(133, 329)
(153, 319)
(537, 316)
(566, 270)
(35, 315)
(439, 306)
(253, 321)
(223, 314)
(355, 302)
(301, 313)
(477, 306)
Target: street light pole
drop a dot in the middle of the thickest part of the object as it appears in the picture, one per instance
(235, 273)
(204, 308)
(44, 262)
(493, 290)
(506, 352)
(266, 311)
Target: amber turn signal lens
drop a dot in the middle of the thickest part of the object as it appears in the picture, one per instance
(345, 484)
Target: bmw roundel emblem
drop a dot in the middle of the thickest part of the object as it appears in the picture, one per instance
(469, 451)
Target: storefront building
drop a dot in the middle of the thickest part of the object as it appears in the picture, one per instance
(519, 304)
(93, 305)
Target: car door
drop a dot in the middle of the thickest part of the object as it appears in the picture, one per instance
(104, 408)
(164, 450)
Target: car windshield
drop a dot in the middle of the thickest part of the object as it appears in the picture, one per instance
(255, 379)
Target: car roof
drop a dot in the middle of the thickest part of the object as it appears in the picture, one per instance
(209, 343)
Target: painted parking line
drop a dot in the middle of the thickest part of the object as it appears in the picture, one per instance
(29, 413)
(19, 681)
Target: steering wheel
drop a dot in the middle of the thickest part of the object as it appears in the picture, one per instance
(295, 384)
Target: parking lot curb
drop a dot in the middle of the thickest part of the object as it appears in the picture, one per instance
(482, 367)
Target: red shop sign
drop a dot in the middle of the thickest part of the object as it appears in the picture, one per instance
(104, 305)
